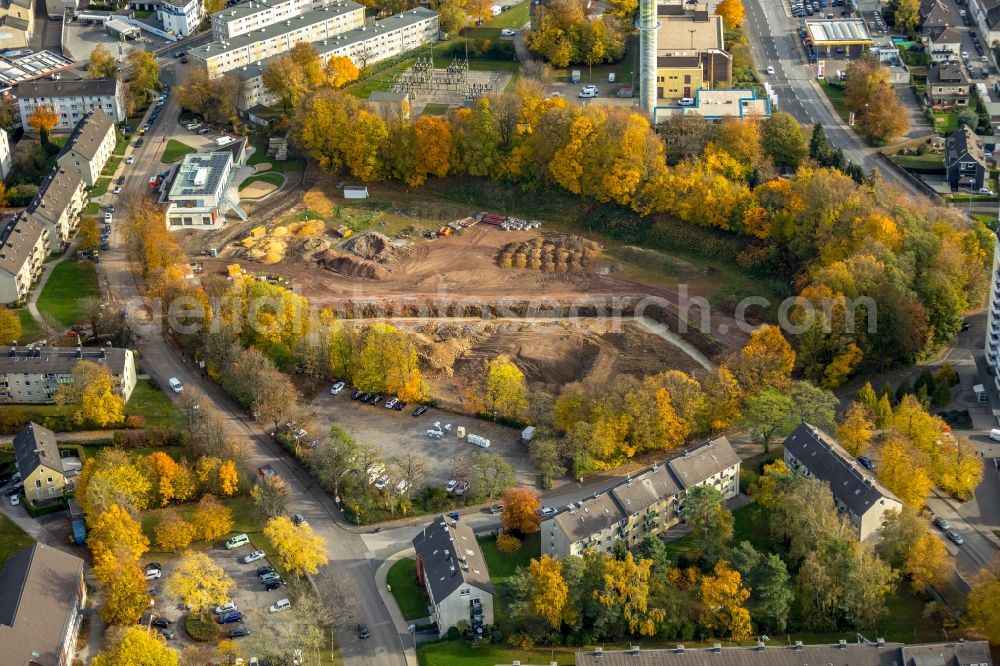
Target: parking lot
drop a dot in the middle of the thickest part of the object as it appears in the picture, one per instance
(397, 433)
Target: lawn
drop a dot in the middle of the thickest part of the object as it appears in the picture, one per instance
(379, 81)
(989, 219)
(175, 151)
(12, 539)
(121, 143)
(459, 653)
(92, 208)
(503, 565)
(835, 93)
(152, 404)
(260, 155)
(30, 330)
(924, 163)
(945, 122)
(435, 109)
(410, 597)
(100, 187)
(517, 17)
(69, 282)
(272, 177)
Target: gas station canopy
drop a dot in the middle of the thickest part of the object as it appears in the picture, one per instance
(842, 32)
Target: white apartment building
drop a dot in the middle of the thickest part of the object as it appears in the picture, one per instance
(644, 504)
(17, 23)
(33, 375)
(71, 100)
(256, 14)
(279, 38)
(992, 342)
(180, 18)
(201, 191)
(58, 205)
(4, 155)
(90, 147)
(23, 247)
(364, 46)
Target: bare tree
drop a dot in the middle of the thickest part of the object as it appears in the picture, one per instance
(461, 467)
(412, 469)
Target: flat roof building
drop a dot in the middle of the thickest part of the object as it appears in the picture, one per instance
(717, 105)
(202, 190)
(840, 32)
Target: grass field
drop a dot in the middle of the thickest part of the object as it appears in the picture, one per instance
(69, 282)
(175, 151)
(945, 122)
(410, 597)
(503, 565)
(435, 109)
(121, 143)
(272, 177)
(12, 539)
(92, 208)
(458, 653)
(924, 162)
(152, 404)
(100, 187)
(29, 327)
(517, 17)
(260, 155)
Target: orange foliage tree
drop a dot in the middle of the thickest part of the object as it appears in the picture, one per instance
(520, 510)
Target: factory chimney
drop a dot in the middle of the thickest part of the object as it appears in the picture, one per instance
(647, 25)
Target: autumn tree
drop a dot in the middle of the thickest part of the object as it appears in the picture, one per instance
(271, 497)
(766, 413)
(623, 9)
(856, 431)
(111, 478)
(984, 601)
(388, 362)
(145, 73)
(173, 533)
(723, 595)
(711, 523)
(521, 508)
(212, 519)
(229, 478)
(92, 394)
(506, 393)
(869, 93)
(307, 61)
(102, 64)
(115, 540)
(783, 138)
(907, 15)
(626, 589)
(134, 646)
(199, 582)
(10, 325)
(126, 595)
(928, 563)
(339, 71)
(766, 360)
(551, 592)
(732, 13)
(300, 549)
(43, 119)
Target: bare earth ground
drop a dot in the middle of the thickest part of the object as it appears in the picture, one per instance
(257, 190)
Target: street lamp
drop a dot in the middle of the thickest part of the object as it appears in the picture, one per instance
(149, 625)
(867, 137)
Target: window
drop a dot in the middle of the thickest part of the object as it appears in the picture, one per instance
(38, 483)
(50, 480)
(465, 591)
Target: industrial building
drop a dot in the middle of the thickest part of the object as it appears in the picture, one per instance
(690, 53)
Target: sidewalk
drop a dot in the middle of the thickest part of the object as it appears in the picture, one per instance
(402, 626)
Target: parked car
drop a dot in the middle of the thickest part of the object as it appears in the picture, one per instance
(954, 537)
(547, 511)
(400, 406)
(227, 607)
(686, 101)
(363, 631)
(264, 569)
(299, 519)
(108, 217)
(382, 481)
(121, 180)
(161, 623)
(273, 584)
(462, 487)
(507, 32)
(15, 499)
(153, 574)
(867, 463)
(280, 605)
(364, 397)
(588, 91)
(391, 402)
(203, 131)
(230, 617)
(375, 399)
(337, 388)
(450, 486)
(419, 410)
(168, 633)
(770, 70)
(941, 523)
(253, 557)
(496, 508)
(264, 578)
(139, 142)
(357, 395)
(130, 159)
(175, 385)
(239, 632)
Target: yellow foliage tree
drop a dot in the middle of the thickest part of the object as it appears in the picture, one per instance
(229, 478)
(137, 647)
(550, 591)
(508, 543)
(111, 478)
(92, 392)
(10, 324)
(855, 433)
(173, 481)
(928, 563)
(212, 519)
(43, 119)
(842, 366)
(199, 582)
(766, 360)
(340, 70)
(957, 468)
(115, 539)
(301, 550)
(732, 13)
(626, 586)
(506, 392)
(901, 472)
(126, 596)
(983, 605)
(173, 533)
(723, 595)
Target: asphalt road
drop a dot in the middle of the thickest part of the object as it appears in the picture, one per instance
(349, 557)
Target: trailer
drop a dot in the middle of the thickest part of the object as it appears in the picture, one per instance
(79, 532)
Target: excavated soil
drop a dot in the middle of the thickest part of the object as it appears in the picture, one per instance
(372, 246)
(353, 266)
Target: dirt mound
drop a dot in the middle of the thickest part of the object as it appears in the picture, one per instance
(372, 246)
(354, 266)
(550, 254)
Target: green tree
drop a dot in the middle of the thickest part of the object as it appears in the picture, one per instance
(907, 15)
(784, 140)
(492, 475)
(819, 146)
(710, 521)
(102, 63)
(766, 413)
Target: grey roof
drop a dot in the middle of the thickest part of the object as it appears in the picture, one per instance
(850, 654)
(678, 61)
(273, 30)
(89, 134)
(947, 654)
(56, 193)
(590, 516)
(200, 174)
(323, 47)
(852, 484)
(947, 73)
(450, 556)
(838, 31)
(17, 240)
(963, 144)
(63, 88)
(39, 589)
(244, 9)
(61, 360)
(696, 465)
(646, 489)
(947, 35)
(34, 446)
(937, 13)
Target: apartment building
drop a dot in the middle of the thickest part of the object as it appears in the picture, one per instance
(180, 18)
(947, 85)
(24, 244)
(5, 160)
(71, 100)
(642, 505)
(199, 194)
(59, 205)
(365, 46)
(856, 491)
(278, 38)
(17, 23)
(256, 14)
(90, 147)
(32, 375)
(690, 53)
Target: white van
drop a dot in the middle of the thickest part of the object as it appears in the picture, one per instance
(995, 434)
(237, 541)
(280, 605)
(686, 101)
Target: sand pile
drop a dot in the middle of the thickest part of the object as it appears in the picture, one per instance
(372, 246)
(345, 264)
(551, 254)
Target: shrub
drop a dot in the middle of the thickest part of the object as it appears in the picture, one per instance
(521, 641)
(946, 375)
(508, 544)
(135, 421)
(202, 628)
(453, 634)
